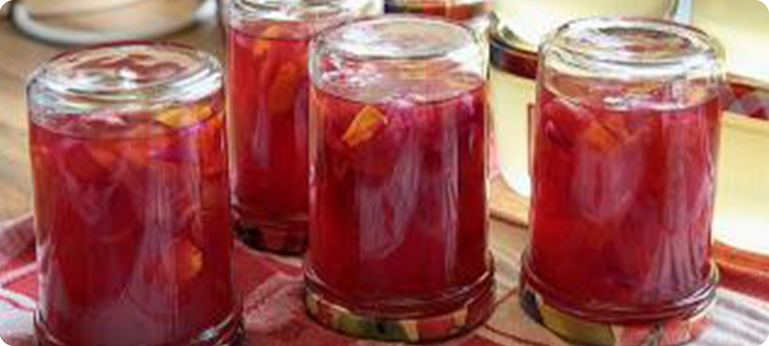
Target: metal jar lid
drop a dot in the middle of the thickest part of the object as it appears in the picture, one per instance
(511, 54)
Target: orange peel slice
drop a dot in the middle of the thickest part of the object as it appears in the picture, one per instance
(366, 124)
(606, 137)
(184, 116)
(262, 44)
(280, 97)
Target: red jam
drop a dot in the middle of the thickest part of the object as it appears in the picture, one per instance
(624, 202)
(268, 87)
(399, 199)
(132, 214)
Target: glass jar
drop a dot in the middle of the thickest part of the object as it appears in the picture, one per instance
(624, 170)
(474, 13)
(131, 205)
(512, 93)
(267, 98)
(398, 156)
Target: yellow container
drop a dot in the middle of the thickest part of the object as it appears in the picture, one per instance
(532, 19)
(513, 68)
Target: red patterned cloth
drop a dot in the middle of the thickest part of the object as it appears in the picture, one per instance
(271, 288)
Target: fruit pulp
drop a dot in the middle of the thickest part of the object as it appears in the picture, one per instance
(268, 87)
(132, 215)
(399, 212)
(623, 203)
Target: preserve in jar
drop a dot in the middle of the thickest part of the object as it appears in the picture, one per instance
(131, 198)
(624, 173)
(398, 184)
(267, 98)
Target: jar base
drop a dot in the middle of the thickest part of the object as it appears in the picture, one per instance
(229, 332)
(289, 238)
(475, 310)
(667, 331)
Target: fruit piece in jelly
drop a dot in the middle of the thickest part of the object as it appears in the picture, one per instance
(283, 89)
(601, 138)
(88, 162)
(563, 122)
(180, 117)
(178, 263)
(366, 124)
(262, 45)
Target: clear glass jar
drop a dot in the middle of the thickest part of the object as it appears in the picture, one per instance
(131, 205)
(398, 156)
(625, 148)
(267, 98)
(512, 91)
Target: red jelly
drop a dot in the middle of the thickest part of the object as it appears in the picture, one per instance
(398, 188)
(131, 201)
(624, 175)
(268, 87)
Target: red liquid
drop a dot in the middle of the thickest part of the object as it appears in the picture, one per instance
(399, 211)
(132, 218)
(623, 208)
(268, 87)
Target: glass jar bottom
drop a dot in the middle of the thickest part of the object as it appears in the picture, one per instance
(473, 312)
(669, 331)
(285, 238)
(229, 332)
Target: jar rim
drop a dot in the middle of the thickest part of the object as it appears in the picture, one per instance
(625, 47)
(127, 73)
(397, 37)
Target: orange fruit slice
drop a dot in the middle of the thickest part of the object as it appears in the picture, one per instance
(365, 125)
(183, 116)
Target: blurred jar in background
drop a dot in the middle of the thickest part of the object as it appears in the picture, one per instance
(532, 19)
(268, 86)
(474, 13)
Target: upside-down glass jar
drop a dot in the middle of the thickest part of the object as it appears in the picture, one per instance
(131, 198)
(267, 98)
(398, 156)
(624, 174)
